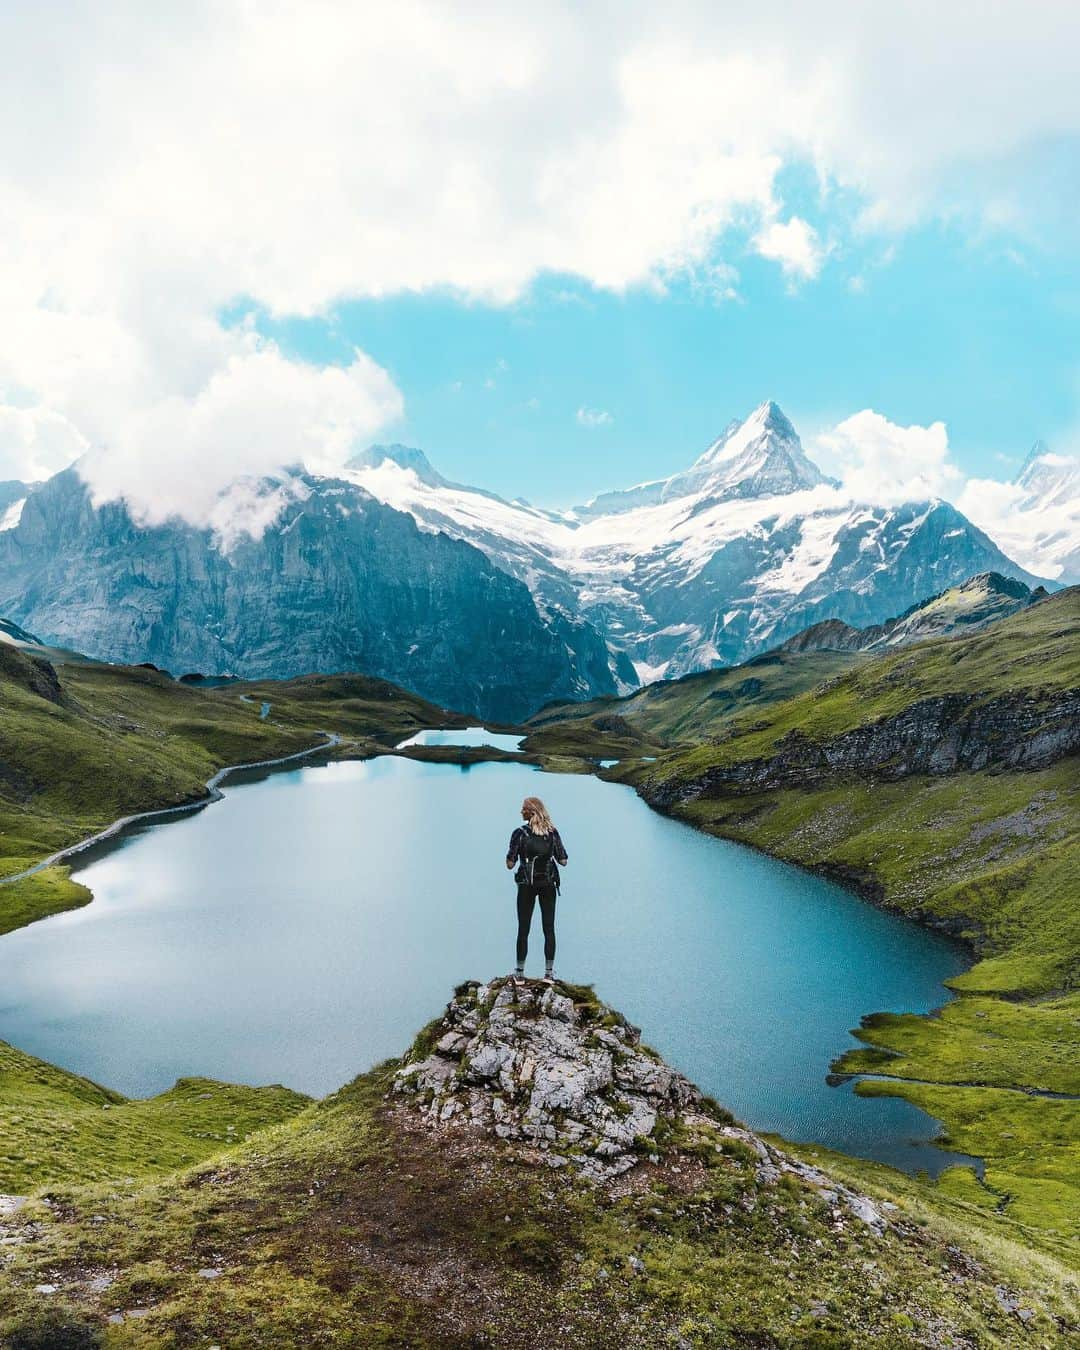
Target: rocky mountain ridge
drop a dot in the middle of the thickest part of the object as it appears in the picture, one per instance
(976, 602)
(950, 733)
(712, 565)
(491, 606)
(341, 583)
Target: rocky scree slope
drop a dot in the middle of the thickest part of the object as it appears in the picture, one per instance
(340, 582)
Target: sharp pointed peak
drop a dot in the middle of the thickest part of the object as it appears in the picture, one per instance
(770, 410)
(1032, 457)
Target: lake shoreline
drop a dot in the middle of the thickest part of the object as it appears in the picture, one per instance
(211, 794)
(462, 756)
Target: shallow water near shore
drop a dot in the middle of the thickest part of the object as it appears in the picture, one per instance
(307, 926)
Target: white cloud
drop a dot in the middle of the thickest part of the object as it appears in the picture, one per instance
(1036, 524)
(880, 461)
(1035, 521)
(166, 163)
(794, 245)
(594, 417)
(36, 442)
(258, 413)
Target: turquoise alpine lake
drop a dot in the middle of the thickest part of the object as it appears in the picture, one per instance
(308, 924)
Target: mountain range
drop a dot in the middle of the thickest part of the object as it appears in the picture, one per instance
(484, 604)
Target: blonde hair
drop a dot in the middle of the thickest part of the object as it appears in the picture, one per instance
(538, 819)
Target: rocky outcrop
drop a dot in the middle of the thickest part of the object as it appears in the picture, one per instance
(526, 1062)
(950, 733)
(338, 583)
(553, 1070)
(32, 672)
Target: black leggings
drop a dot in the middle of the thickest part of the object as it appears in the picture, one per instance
(526, 901)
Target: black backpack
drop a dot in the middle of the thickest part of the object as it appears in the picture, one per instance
(538, 858)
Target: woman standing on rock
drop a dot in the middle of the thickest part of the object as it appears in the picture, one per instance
(538, 852)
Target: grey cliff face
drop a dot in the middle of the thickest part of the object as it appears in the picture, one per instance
(728, 558)
(340, 582)
(950, 733)
(490, 605)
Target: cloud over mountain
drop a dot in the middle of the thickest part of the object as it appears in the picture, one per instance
(156, 170)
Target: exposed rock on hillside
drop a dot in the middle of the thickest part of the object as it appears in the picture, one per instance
(950, 733)
(415, 1207)
(33, 673)
(550, 1067)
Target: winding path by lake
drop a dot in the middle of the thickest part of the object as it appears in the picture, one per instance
(315, 918)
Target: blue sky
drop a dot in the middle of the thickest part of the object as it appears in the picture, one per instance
(557, 245)
(981, 334)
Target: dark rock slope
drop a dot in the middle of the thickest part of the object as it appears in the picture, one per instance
(950, 733)
(976, 602)
(340, 582)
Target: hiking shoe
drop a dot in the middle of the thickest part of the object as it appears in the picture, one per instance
(549, 977)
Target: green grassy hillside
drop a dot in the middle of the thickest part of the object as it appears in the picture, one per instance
(821, 693)
(354, 1224)
(686, 711)
(82, 744)
(993, 856)
(58, 1128)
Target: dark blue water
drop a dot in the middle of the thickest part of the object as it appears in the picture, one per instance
(310, 923)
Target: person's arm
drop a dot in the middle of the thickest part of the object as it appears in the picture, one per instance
(560, 851)
(512, 850)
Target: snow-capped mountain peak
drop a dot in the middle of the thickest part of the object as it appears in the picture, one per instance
(759, 457)
(710, 565)
(1049, 479)
(404, 456)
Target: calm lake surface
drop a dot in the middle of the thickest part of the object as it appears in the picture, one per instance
(310, 923)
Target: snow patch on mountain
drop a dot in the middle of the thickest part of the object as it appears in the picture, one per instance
(712, 564)
(11, 517)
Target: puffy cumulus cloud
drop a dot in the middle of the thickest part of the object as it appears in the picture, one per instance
(257, 414)
(1034, 520)
(879, 461)
(794, 245)
(158, 162)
